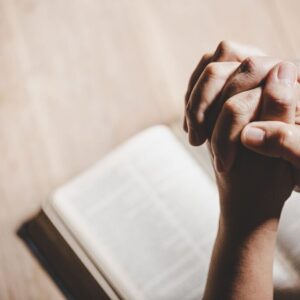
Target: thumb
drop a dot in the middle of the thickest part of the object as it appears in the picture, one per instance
(274, 139)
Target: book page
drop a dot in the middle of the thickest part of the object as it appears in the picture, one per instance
(146, 216)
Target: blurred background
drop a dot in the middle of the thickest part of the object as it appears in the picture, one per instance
(77, 77)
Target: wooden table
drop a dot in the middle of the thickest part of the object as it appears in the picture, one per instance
(78, 77)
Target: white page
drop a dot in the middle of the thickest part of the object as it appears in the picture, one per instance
(289, 231)
(147, 215)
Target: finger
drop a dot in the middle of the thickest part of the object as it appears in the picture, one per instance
(237, 112)
(204, 93)
(226, 51)
(233, 51)
(279, 103)
(249, 75)
(274, 139)
(205, 60)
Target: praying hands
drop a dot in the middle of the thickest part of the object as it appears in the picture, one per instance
(246, 105)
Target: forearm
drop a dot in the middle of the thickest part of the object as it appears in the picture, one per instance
(242, 263)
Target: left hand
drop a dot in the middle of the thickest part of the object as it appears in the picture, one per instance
(208, 79)
(214, 81)
(249, 197)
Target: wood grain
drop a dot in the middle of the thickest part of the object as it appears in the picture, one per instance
(78, 77)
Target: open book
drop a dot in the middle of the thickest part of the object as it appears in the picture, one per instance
(140, 225)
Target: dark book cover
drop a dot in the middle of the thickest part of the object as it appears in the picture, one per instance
(59, 260)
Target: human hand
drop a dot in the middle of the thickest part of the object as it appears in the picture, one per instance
(275, 139)
(252, 192)
(213, 82)
(218, 82)
(255, 188)
(207, 81)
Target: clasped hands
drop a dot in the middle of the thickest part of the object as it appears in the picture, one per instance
(247, 106)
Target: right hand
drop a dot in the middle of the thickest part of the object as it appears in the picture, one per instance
(252, 193)
(234, 90)
(275, 139)
(254, 190)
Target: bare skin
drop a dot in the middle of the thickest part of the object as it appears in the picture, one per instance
(220, 102)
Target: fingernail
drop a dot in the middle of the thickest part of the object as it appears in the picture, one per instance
(254, 136)
(287, 73)
(218, 165)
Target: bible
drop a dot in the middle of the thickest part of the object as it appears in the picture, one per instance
(140, 225)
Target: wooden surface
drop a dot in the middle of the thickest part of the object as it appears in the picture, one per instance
(78, 77)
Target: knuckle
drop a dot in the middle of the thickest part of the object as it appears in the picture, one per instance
(249, 65)
(223, 48)
(278, 98)
(230, 107)
(284, 135)
(278, 105)
(211, 71)
(232, 88)
(206, 57)
(235, 107)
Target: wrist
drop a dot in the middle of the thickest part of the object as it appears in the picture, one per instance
(242, 229)
(244, 215)
(242, 262)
